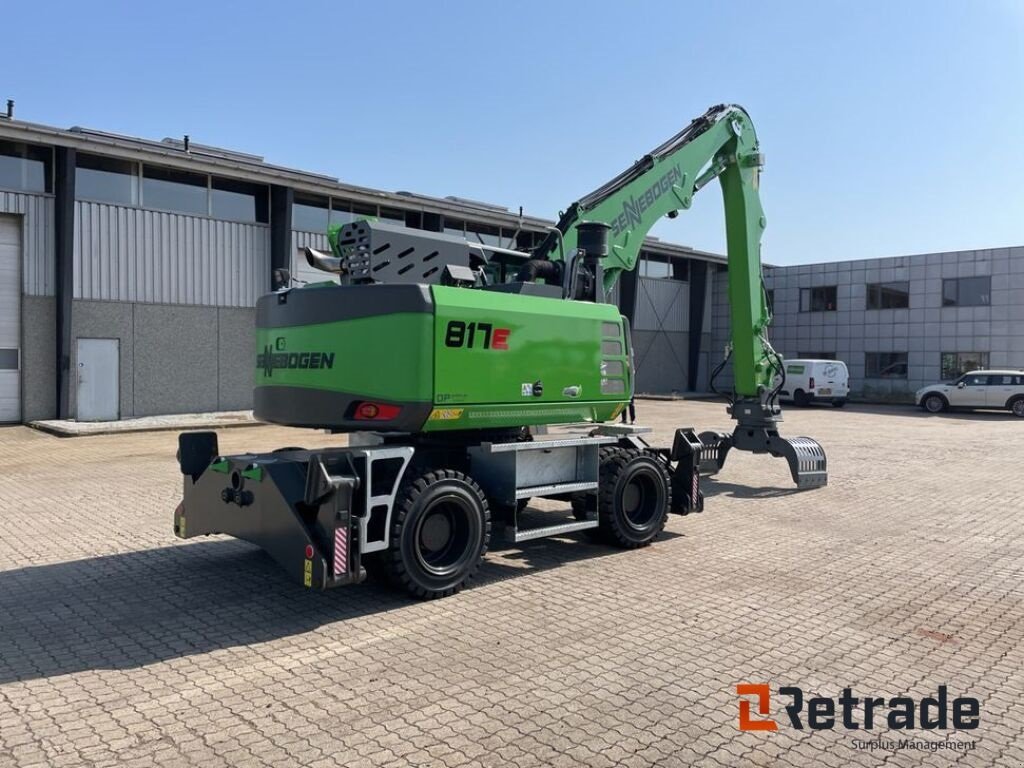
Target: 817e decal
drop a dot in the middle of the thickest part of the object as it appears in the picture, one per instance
(478, 335)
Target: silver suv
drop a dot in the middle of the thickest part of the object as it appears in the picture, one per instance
(977, 389)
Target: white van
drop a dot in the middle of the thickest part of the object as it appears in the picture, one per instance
(810, 381)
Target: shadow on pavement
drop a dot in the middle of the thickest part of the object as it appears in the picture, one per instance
(712, 488)
(127, 610)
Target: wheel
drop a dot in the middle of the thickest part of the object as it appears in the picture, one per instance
(634, 498)
(801, 398)
(839, 403)
(579, 500)
(1017, 407)
(934, 403)
(440, 530)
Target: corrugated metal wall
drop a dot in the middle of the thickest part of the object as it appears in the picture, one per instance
(132, 254)
(36, 239)
(662, 305)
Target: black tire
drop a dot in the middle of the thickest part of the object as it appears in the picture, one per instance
(635, 497)
(933, 402)
(440, 529)
(1016, 407)
(801, 399)
(839, 403)
(579, 500)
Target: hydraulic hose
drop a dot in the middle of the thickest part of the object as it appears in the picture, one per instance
(541, 269)
(714, 375)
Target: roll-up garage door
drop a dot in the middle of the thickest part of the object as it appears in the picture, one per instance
(10, 318)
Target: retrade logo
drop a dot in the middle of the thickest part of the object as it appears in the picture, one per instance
(938, 712)
(763, 695)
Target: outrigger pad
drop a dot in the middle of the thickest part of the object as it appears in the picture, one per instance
(195, 452)
(716, 449)
(687, 450)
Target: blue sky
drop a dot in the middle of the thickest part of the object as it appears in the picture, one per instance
(888, 128)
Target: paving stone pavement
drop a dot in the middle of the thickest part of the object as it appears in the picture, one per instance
(123, 646)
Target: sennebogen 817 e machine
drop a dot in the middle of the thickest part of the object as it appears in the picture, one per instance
(448, 374)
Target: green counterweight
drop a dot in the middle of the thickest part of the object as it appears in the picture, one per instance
(437, 358)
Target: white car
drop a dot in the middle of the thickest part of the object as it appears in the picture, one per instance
(815, 381)
(977, 389)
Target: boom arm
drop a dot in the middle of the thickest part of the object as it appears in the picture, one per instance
(720, 143)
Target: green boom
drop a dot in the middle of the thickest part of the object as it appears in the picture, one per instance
(721, 143)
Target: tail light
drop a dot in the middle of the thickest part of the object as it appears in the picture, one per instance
(369, 411)
(811, 382)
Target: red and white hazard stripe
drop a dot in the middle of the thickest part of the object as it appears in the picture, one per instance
(696, 490)
(340, 550)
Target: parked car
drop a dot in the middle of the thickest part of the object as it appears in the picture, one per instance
(976, 389)
(810, 381)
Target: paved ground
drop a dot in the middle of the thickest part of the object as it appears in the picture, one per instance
(180, 421)
(121, 646)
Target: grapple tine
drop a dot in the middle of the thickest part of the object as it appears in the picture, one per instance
(806, 458)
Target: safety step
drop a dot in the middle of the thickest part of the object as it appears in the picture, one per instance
(554, 489)
(546, 444)
(555, 530)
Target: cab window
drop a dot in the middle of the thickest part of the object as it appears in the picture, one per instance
(975, 380)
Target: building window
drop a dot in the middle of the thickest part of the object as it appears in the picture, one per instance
(362, 212)
(769, 295)
(956, 364)
(25, 167)
(654, 266)
(889, 295)
(967, 292)
(885, 365)
(106, 180)
(454, 227)
(309, 214)
(238, 201)
(526, 241)
(483, 233)
(341, 213)
(392, 216)
(167, 189)
(816, 356)
(820, 299)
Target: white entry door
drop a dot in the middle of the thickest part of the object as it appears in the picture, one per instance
(98, 377)
(10, 318)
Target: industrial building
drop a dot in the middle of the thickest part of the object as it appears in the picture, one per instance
(905, 322)
(129, 271)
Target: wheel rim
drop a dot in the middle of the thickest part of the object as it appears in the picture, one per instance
(934, 404)
(1018, 408)
(444, 535)
(641, 499)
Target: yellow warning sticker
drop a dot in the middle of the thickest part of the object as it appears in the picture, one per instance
(307, 577)
(446, 414)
